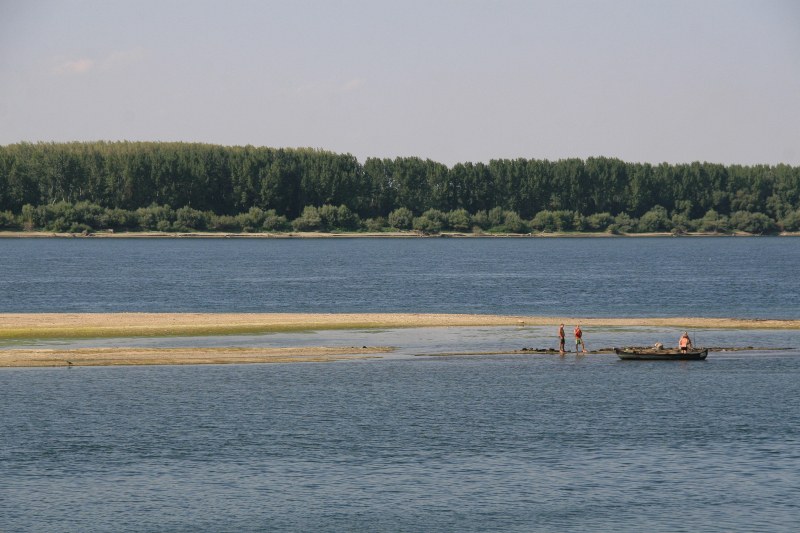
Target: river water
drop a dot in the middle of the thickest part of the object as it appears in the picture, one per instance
(411, 441)
(627, 277)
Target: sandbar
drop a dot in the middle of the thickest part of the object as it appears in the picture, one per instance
(18, 329)
(19, 326)
(38, 357)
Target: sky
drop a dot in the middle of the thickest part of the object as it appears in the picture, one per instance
(453, 81)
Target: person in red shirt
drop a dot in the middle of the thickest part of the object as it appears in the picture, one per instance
(579, 339)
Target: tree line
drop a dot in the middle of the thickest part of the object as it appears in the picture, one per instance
(129, 185)
(85, 217)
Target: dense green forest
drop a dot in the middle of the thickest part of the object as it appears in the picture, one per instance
(183, 186)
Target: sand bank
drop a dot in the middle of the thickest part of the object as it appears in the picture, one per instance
(180, 356)
(24, 327)
(105, 325)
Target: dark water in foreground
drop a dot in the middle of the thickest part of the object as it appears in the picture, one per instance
(503, 443)
(713, 277)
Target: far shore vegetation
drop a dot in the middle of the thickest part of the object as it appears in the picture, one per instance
(86, 218)
(183, 187)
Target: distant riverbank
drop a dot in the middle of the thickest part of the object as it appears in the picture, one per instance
(322, 235)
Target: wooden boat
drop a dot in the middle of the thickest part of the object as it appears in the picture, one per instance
(653, 354)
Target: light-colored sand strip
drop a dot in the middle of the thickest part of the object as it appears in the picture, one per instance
(181, 356)
(104, 325)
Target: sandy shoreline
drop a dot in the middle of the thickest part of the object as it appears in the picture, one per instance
(105, 325)
(181, 356)
(21, 327)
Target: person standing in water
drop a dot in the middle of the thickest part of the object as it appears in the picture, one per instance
(579, 339)
(561, 339)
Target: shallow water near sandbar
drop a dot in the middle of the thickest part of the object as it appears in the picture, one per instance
(434, 341)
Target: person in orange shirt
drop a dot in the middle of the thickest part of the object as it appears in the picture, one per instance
(685, 343)
(579, 339)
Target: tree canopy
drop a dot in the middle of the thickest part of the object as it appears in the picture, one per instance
(233, 180)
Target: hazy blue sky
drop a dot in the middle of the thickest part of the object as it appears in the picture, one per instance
(453, 81)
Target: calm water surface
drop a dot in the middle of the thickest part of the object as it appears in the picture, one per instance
(715, 277)
(408, 443)
(508, 443)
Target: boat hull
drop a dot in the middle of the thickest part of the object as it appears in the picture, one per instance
(661, 355)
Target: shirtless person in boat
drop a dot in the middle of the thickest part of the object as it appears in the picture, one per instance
(685, 343)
